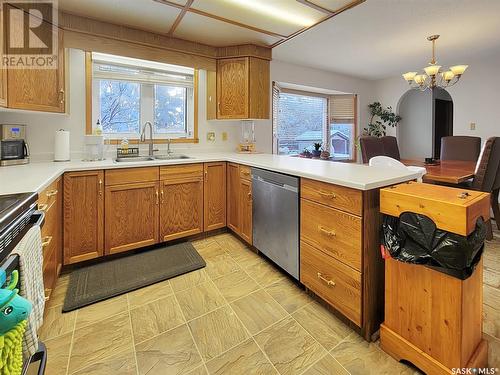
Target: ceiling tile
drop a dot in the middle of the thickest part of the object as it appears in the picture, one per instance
(331, 5)
(218, 33)
(283, 17)
(141, 14)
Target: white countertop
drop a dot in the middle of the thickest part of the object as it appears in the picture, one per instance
(36, 176)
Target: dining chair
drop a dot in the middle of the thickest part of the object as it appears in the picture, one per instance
(460, 147)
(370, 147)
(391, 148)
(487, 174)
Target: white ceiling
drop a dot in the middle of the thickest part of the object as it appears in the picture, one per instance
(382, 38)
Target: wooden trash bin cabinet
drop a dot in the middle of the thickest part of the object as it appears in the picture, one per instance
(432, 319)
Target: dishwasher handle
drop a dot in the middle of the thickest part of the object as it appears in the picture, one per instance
(275, 183)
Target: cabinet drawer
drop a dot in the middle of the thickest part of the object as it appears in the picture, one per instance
(245, 172)
(49, 196)
(131, 175)
(337, 233)
(177, 172)
(333, 281)
(340, 197)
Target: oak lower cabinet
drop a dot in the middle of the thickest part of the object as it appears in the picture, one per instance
(340, 257)
(83, 209)
(181, 201)
(214, 195)
(131, 209)
(239, 200)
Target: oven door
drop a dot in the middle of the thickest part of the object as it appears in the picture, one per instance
(13, 149)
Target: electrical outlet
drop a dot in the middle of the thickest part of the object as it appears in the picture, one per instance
(211, 136)
(224, 136)
(472, 126)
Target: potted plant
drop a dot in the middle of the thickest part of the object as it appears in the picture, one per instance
(306, 154)
(380, 119)
(316, 153)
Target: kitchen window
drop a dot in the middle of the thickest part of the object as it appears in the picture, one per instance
(302, 118)
(127, 92)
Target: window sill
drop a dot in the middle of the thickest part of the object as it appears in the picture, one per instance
(157, 141)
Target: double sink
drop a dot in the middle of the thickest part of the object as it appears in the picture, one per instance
(151, 158)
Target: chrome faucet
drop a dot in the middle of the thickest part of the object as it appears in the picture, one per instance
(143, 136)
(168, 146)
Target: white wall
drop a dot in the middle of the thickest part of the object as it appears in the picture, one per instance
(301, 75)
(476, 97)
(41, 126)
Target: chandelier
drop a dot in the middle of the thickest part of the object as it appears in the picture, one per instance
(433, 77)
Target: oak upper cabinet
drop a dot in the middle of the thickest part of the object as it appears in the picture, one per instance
(242, 88)
(83, 209)
(233, 196)
(38, 89)
(3, 76)
(131, 209)
(181, 201)
(214, 193)
(245, 201)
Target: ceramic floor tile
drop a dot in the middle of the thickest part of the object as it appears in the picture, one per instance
(288, 295)
(258, 311)
(198, 371)
(245, 257)
(57, 323)
(230, 242)
(236, 285)
(101, 310)
(200, 300)
(322, 325)
(122, 363)
(264, 273)
(149, 293)
(326, 366)
(188, 280)
(57, 361)
(493, 351)
(100, 340)
(155, 317)
(491, 296)
(246, 358)
(491, 277)
(289, 347)
(360, 357)
(217, 332)
(220, 265)
(210, 250)
(59, 293)
(172, 352)
(491, 321)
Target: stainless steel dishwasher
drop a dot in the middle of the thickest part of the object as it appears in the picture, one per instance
(276, 218)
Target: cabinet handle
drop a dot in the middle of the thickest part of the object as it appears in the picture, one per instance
(100, 187)
(61, 95)
(206, 175)
(47, 293)
(218, 107)
(157, 197)
(327, 194)
(43, 207)
(325, 280)
(162, 196)
(46, 241)
(51, 193)
(330, 233)
(249, 196)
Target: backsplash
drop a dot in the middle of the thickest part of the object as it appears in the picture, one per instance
(41, 127)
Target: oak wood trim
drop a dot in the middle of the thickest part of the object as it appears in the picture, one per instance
(333, 14)
(180, 17)
(314, 6)
(88, 92)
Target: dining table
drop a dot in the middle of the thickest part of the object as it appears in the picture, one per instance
(445, 171)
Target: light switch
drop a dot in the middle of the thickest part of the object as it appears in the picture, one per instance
(472, 126)
(224, 136)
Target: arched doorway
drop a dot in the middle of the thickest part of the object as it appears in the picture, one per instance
(427, 116)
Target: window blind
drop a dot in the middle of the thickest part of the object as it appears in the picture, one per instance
(275, 114)
(341, 108)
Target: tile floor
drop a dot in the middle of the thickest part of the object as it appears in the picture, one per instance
(239, 315)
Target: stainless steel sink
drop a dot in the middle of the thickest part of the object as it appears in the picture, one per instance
(134, 159)
(171, 157)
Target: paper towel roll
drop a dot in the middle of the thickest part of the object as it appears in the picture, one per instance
(61, 148)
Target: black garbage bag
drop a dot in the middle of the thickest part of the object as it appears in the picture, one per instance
(414, 238)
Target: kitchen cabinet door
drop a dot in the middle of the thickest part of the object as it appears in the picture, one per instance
(3, 75)
(245, 201)
(233, 196)
(214, 195)
(83, 216)
(131, 216)
(232, 88)
(38, 89)
(181, 208)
